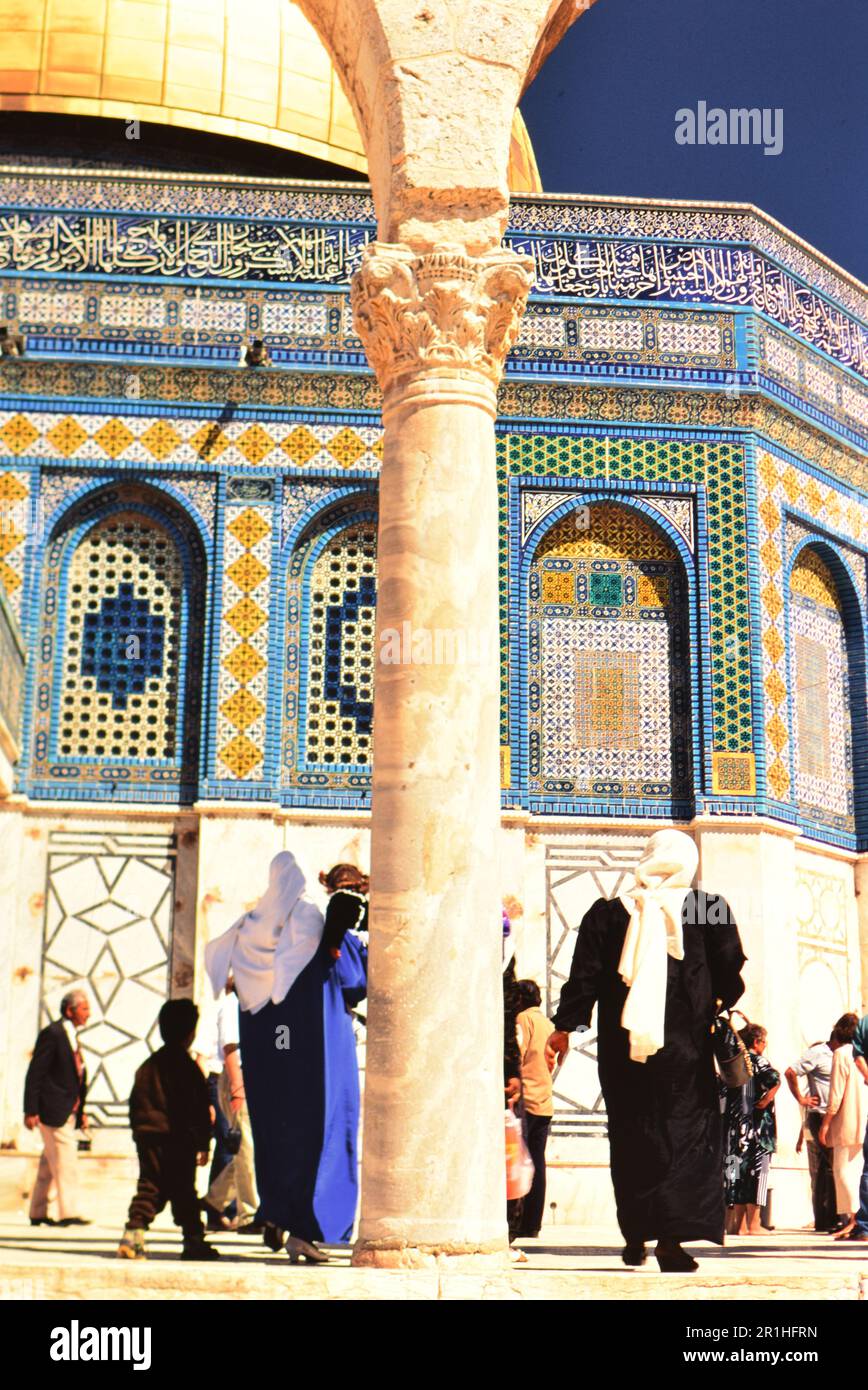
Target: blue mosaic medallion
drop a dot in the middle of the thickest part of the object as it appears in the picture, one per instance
(122, 645)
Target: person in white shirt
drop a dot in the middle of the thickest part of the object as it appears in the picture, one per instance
(205, 1051)
(237, 1181)
(815, 1065)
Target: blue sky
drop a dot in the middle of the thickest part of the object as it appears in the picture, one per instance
(602, 112)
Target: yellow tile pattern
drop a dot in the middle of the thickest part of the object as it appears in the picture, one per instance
(143, 439)
(813, 579)
(14, 520)
(243, 678)
(733, 774)
(653, 591)
(17, 434)
(558, 587)
(605, 532)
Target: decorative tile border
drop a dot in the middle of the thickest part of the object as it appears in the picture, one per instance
(838, 394)
(64, 187)
(191, 250)
(146, 439)
(14, 526)
(202, 394)
(242, 687)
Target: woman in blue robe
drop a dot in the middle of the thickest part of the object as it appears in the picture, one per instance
(298, 1057)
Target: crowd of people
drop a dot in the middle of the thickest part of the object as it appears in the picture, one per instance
(270, 1075)
(690, 1156)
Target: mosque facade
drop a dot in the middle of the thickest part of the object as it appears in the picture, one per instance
(190, 442)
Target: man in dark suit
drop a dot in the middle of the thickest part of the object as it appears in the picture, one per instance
(54, 1096)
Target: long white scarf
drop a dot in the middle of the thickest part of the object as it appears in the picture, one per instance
(663, 876)
(267, 949)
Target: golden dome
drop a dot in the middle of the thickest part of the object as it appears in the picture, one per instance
(254, 69)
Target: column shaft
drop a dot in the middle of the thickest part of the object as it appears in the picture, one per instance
(433, 1167)
(436, 328)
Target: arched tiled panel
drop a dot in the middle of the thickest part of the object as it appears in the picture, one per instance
(608, 662)
(117, 683)
(823, 772)
(330, 652)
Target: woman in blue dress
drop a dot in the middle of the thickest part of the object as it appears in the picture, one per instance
(299, 1060)
(750, 1137)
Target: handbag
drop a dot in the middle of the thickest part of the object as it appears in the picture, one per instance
(732, 1057)
(519, 1164)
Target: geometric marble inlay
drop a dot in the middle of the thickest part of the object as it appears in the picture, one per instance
(108, 928)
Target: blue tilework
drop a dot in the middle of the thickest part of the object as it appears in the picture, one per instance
(782, 338)
(106, 640)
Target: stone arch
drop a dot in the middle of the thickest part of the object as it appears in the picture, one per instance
(438, 170)
(826, 659)
(321, 506)
(609, 596)
(162, 490)
(115, 696)
(330, 652)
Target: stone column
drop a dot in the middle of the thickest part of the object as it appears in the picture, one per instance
(436, 327)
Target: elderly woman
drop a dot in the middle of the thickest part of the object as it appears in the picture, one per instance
(655, 961)
(299, 1060)
(751, 1137)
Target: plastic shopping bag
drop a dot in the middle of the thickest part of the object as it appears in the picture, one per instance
(519, 1164)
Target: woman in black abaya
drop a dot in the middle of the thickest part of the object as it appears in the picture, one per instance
(655, 961)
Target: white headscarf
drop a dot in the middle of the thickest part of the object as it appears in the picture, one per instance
(268, 947)
(663, 876)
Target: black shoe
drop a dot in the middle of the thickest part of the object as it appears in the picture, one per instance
(43, 1221)
(675, 1261)
(72, 1221)
(199, 1250)
(840, 1225)
(252, 1228)
(214, 1220)
(273, 1236)
(634, 1254)
(856, 1234)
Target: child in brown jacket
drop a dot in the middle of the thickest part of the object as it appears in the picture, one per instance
(171, 1122)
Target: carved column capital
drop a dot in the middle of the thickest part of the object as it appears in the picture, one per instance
(440, 312)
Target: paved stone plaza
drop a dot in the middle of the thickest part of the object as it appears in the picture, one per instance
(570, 1263)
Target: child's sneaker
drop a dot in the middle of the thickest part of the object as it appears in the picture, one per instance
(199, 1250)
(132, 1246)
